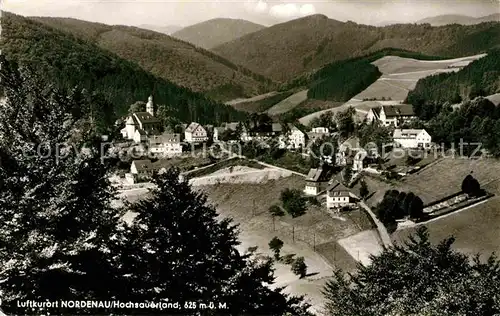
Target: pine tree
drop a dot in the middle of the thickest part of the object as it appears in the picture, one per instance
(57, 219)
(177, 249)
(417, 278)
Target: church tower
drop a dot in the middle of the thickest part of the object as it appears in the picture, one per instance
(150, 106)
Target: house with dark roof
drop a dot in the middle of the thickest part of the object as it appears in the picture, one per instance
(140, 125)
(317, 180)
(339, 196)
(394, 115)
(195, 133)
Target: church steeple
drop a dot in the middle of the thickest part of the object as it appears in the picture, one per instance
(150, 106)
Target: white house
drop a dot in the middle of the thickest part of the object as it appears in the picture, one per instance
(391, 114)
(167, 144)
(296, 138)
(338, 196)
(139, 125)
(412, 138)
(195, 133)
(320, 130)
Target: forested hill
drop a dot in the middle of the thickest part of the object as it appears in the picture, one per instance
(169, 58)
(68, 61)
(287, 50)
(479, 78)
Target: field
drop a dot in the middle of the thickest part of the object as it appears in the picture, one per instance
(445, 177)
(288, 103)
(475, 228)
(399, 76)
(248, 205)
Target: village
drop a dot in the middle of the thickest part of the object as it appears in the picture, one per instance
(154, 149)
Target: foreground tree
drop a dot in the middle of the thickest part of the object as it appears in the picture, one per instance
(61, 239)
(57, 223)
(417, 278)
(177, 250)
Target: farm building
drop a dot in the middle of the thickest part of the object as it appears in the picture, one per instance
(195, 133)
(393, 115)
(339, 196)
(317, 180)
(412, 138)
(166, 144)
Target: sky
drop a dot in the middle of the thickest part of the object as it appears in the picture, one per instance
(267, 12)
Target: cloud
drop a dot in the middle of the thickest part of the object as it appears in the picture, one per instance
(291, 10)
(280, 11)
(261, 7)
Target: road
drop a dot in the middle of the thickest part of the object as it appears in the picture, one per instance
(382, 231)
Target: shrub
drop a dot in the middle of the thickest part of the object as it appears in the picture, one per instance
(299, 267)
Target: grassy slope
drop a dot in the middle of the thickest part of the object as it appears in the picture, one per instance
(289, 49)
(262, 105)
(211, 33)
(341, 80)
(168, 58)
(68, 60)
(475, 229)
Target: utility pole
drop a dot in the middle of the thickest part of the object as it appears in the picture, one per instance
(335, 253)
(314, 241)
(274, 226)
(293, 233)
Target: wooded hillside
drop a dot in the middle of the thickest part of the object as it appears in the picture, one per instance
(67, 61)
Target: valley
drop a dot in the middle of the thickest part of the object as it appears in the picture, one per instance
(278, 158)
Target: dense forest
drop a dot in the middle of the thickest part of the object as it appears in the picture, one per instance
(341, 80)
(479, 78)
(69, 61)
(476, 121)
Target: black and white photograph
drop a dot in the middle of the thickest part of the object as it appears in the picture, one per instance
(250, 157)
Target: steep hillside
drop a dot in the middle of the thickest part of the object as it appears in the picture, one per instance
(215, 32)
(68, 61)
(479, 78)
(286, 50)
(167, 29)
(459, 19)
(168, 58)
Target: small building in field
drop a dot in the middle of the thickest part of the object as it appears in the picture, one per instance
(339, 196)
(392, 115)
(317, 180)
(167, 144)
(195, 133)
(411, 138)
